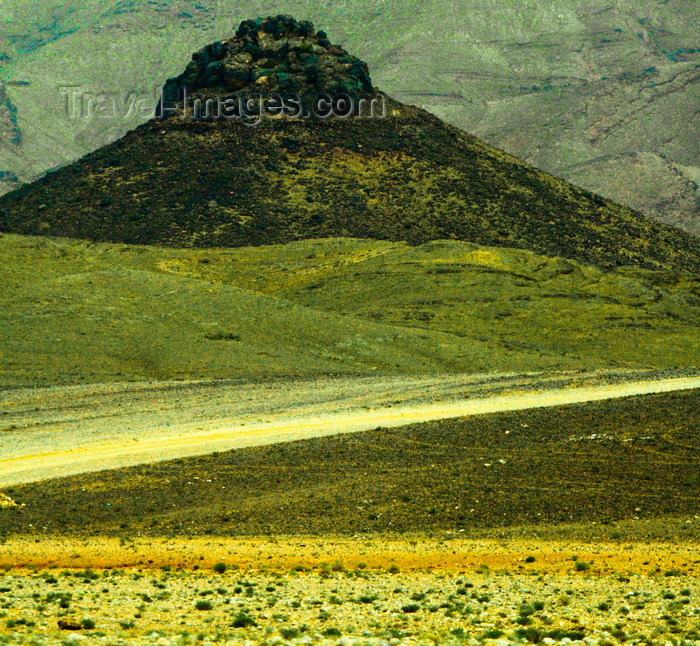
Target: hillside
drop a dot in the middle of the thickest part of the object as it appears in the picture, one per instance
(407, 177)
(103, 312)
(604, 94)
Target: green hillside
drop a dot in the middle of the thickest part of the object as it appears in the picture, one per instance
(77, 312)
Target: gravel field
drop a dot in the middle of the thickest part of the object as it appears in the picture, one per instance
(334, 604)
(59, 431)
(369, 590)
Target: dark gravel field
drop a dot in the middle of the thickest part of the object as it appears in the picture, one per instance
(631, 462)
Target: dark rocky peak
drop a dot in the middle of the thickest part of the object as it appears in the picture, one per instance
(272, 56)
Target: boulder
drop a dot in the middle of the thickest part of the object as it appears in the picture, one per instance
(269, 56)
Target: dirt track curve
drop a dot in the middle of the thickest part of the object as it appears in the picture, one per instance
(82, 429)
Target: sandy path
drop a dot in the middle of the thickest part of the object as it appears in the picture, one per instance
(83, 433)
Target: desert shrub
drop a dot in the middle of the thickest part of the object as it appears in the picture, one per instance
(410, 608)
(242, 620)
(530, 559)
(222, 336)
(87, 575)
(604, 606)
(493, 633)
(332, 632)
(560, 634)
(219, 568)
(290, 633)
(582, 566)
(87, 624)
(619, 634)
(11, 623)
(531, 634)
(203, 604)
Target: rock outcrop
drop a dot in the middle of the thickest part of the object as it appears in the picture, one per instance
(274, 56)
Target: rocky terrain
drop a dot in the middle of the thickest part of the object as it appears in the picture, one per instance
(359, 592)
(611, 464)
(274, 56)
(603, 94)
(400, 174)
(189, 273)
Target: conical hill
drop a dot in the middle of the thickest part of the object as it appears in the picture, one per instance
(398, 173)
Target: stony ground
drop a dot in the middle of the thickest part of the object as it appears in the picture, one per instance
(623, 465)
(332, 602)
(314, 591)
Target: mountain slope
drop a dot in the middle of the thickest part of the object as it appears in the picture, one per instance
(406, 177)
(573, 87)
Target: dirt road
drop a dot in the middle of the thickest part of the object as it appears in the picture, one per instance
(63, 431)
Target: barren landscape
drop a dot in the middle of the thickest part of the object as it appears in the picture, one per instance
(346, 379)
(68, 430)
(574, 523)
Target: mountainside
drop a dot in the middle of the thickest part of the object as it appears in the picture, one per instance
(604, 94)
(406, 177)
(397, 173)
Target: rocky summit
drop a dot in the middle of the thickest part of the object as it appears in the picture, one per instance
(401, 174)
(267, 57)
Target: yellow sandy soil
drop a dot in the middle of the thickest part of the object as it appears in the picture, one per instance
(376, 552)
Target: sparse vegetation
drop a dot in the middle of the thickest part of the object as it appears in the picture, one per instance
(203, 604)
(425, 598)
(374, 465)
(565, 303)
